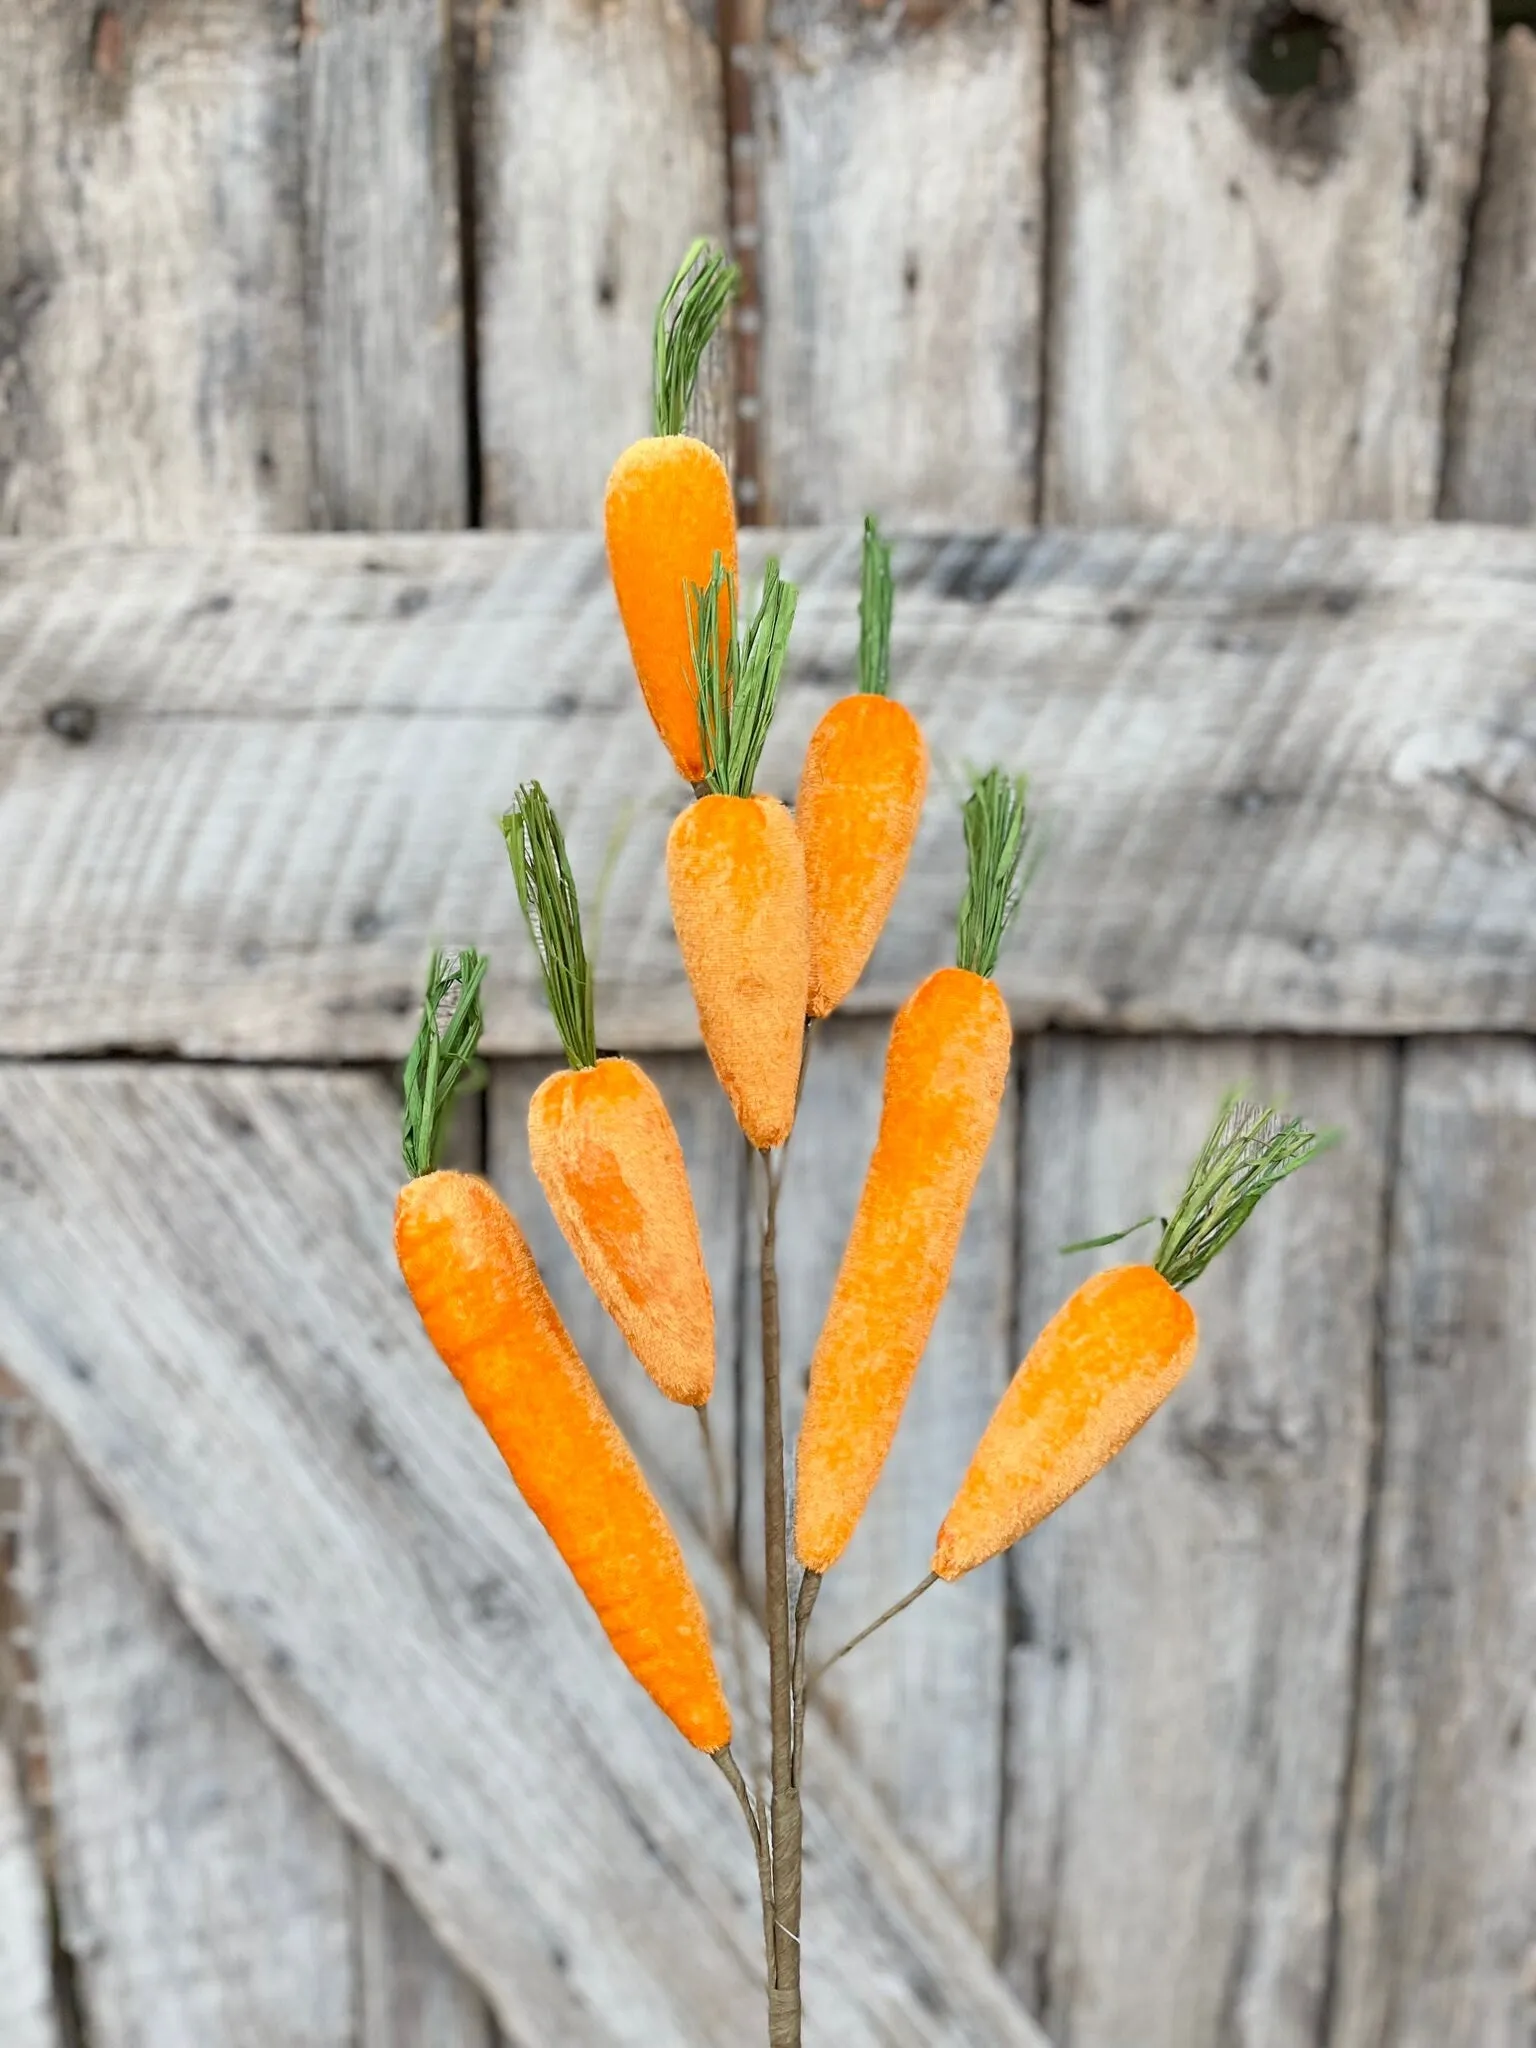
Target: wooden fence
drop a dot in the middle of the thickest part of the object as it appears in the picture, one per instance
(306, 1745)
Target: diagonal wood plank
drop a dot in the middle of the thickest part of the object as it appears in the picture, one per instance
(400, 1622)
(1288, 783)
(1183, 1642)
(1258, 225)
(902, 198)
(1438, 1921)
(26, 1982)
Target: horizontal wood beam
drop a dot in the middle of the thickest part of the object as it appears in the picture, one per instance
(1288, 783)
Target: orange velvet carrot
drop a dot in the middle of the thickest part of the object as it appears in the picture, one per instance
(945, 1074)
(735, 870)
(492, 1322)
(603, 1146)
(668, 510)
(1115, 1351)
(861, 796)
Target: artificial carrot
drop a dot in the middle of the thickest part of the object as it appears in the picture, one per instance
(735, 869)
(494, 1326)
(861, 796)
(668, 511)
(945, 1074)
(603, 1146)
(1115, 1350)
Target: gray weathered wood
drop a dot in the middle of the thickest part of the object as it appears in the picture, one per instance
(1438, 1924)
(666, 1437)
(409, 1995)
(26, 1983)
(381, 242)
(204, 1886)
(400, 1622)
(903, 197)
(151, 320)
(1288, 783)
(1184, 1628)
(1253, 296)
(921, 1704)
(601, 152)
(1491, 431)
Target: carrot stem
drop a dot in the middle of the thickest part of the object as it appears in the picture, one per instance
(690, 311)
(442, 1062)
(864, 1634)
(997, 835)
(546, 892)
(1251, 1149)
(876, 602)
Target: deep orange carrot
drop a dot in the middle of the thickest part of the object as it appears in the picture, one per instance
(861, 797)
(668, 510)
(602, 1144)
(945, 1074)
(736, 872)
(491, 1320)
(1115, 1351)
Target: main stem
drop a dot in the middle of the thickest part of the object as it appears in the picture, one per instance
(784, 2011)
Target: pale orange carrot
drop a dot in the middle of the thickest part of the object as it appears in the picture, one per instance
(861, 797)
(668, 510)
(945, 1074)
(1115, 1350)
(736, 873)
(494, 1326)
(602, 1144)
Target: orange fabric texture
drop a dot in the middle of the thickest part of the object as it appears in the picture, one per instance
(861, 796)
(494, 1326)
(1098, 1369)
(668, 511)
(944, 1079)
(608, 1158)
(736, 877)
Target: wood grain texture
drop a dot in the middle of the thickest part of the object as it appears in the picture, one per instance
(902, 192)
(1184, 1628)
(920, 1706)
(26, 1980)
(151, 275)
(1490, 464)
(600, 138)
(1253, 292)
(400, 1623)
(383, 306)
(1438, 1923)
(1287, 783)
(409, 1995)
(665, 1437)
(205, 1888)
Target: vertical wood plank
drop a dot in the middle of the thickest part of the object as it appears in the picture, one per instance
(409, 1994)
(26, 1981)
(600, 137)
(1438, 1917)
(902, 201)
(920, 1705)
(1254, 284)
(382, 286)
(1491, 431)
(204, 1887)
(665, 1437)
(1183, 1629)
(151, 279)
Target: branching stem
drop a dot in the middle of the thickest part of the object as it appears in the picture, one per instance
(864, 1634)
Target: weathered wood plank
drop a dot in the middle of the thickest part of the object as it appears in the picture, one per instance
(409, 1995)
(666, 1438)
(1184, 1629)
(1438, 1905)
(381, 244)
(600, 146)
(1491, 430)
(588, 1869)
(1288, 783)
(902, 197)
(205, 1888)
(26, 1980)
(151, 274)
(921, 1704)
(1253, 286)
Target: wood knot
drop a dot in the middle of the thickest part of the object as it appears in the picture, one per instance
(73, 720)
(1298, 67)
